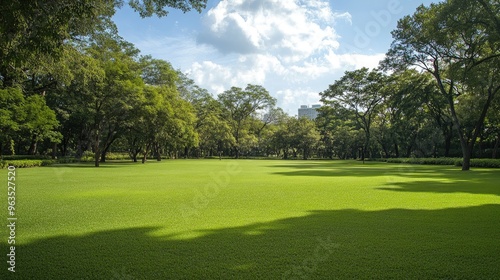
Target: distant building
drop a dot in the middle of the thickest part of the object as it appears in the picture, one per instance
(309, 112)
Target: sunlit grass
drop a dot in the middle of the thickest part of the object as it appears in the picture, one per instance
(254, 219)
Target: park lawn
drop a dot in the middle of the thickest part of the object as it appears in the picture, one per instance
(254, 219)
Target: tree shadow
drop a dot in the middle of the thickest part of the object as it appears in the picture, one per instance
(482, 185)
(369, 169)
(454, 243)
(445, 179)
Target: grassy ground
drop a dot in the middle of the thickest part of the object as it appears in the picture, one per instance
(211, 219)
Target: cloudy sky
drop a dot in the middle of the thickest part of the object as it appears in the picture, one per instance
(294, 48)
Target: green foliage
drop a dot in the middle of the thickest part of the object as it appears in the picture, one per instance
(359, 92)
(26, 163)
(239, 106)
(147, 8)
(457, 43)
(434, 161)
(476, 162)
(11, 102)
(27, 116)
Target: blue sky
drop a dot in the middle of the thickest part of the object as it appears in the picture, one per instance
(294, 48)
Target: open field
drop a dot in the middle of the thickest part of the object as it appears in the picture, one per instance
(254, 219)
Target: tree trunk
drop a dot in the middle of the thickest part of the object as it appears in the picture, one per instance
(495, 149)
(110, 138)
(467, 152)
(79, 150)
(96, 159)
(386, 152)
(103, 156)
(157, 152)
(237, 152)
(32, 150)
(447, 144)
(396, 149)
(144, 157)
(54, 150)
(96, 149)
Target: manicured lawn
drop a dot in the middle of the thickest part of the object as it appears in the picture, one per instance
(254, 219)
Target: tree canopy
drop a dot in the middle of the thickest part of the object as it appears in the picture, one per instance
(70, 86)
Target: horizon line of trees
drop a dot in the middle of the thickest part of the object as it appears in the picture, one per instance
(74, 85)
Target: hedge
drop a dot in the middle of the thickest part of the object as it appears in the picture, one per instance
(476, 162)
(26, 163)
(481, 162)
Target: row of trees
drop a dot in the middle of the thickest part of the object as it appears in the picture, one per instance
(371, 114)
(116, 100)
(70, 84)
(445, 61)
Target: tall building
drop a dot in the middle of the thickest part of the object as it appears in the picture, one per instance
(309, 112)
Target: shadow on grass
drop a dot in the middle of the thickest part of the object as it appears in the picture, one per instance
(355, 169)
(456, 243)
(445, 179)
(467, 186)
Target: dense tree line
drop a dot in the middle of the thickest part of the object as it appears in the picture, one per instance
(70, 85)
(444, 86)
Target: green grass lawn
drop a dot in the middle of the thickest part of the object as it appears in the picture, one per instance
(254, 219)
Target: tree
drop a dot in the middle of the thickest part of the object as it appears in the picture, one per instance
(344, 134)
(25, 119)
(405, 113)
(147, 8)
(457, 42)
(492, 127)
(360, 92)
(213, 130)
(305, 136)
(106, 83)
(11, 102)
(39, 122)
(36, 29)
(241, 104)
(162, 121)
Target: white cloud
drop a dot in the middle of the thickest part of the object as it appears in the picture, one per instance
(290, 47)
(292, 30)
(353, 61)
(243, 70)
(180, 51)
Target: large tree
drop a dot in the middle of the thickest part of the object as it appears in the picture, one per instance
(457, 42)
(240, 104)
(37, 30)
(359, 91)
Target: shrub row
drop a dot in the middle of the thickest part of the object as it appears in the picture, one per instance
(481, 162)
(89, 156)
(434, 161)
(24, 157)
(477, 162)
(26, 163)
